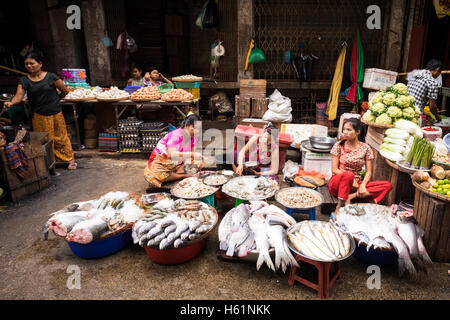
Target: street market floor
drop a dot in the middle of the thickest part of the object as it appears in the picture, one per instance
(32, 268)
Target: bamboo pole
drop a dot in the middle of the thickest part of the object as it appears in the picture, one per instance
(443, 72)
(13, 70)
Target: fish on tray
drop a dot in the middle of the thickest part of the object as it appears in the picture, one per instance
(87, 231)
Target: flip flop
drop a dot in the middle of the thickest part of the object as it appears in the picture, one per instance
(72, 166)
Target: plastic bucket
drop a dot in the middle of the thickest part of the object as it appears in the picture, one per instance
(176, 256)
(101, 248)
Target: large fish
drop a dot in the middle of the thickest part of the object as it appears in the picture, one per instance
(421, 247)
(283, 257)
(88, 230)
(237, 238)
(407, 231)
(262, 242)
(244, 248)
(63, 223)
(240, 216)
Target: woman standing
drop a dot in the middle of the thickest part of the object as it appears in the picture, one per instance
(349, 157)
(41, 88)
(166, 161)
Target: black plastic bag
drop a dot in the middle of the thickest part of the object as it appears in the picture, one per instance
(211, 18)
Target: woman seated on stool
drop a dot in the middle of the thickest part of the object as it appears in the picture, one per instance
(349, 156)
(166, 161)
(268, 153)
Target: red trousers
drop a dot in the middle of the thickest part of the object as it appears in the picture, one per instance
(341, 186)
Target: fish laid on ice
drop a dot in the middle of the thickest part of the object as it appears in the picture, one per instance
(64, 222)
(157, 230)
(164, 244)
(86, 231)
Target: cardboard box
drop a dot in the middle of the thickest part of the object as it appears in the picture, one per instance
(242, 106)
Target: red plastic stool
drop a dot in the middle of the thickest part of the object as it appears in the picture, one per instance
(325, 281)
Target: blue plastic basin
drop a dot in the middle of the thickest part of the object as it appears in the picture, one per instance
(101, 248)
(375, 257)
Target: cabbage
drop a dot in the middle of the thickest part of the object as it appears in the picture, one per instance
(393, 156)
(392, 147)
(383, 119)
(410, 141)
(395, 133)
(394, 112)
(399, 142)
(400, 88)
(378, 109)
(412, 100)
(406, 125)
(389, 99)
(377, 97)
(409, 113)
(369, 117)
(402, 102)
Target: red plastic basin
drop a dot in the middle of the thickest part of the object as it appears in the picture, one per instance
(176, 256)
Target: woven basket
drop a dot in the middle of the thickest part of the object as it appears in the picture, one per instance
(78, 100)
(377, 125)
(197, 79)
(113, 100)
(431, 193)
(144, 100)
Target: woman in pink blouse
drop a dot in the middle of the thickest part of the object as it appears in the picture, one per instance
(155, 79)
(349, 157)
(166, 161)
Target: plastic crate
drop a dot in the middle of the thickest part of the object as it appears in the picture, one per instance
(187, 85)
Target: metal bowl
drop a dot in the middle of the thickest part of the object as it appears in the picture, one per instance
(322, 142)
(292, 247)
(313, 192)
(191, 169)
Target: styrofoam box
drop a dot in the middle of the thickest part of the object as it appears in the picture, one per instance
(379, 79)
(318, 162)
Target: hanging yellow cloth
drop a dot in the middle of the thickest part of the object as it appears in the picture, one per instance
(252, 45)
(333, 100)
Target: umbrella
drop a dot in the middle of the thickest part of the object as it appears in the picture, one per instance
(355, 93)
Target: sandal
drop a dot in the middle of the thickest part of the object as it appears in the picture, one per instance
(72, 166)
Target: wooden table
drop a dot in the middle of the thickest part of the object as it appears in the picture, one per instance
(402, 187)
(121, 106)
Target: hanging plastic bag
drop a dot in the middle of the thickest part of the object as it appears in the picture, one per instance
(199, 21)
(257, 56)
(211, 18)
(131, 43)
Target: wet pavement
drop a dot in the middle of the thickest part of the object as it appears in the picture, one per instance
(32, 268)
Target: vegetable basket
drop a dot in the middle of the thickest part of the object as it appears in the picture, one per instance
(377, 125)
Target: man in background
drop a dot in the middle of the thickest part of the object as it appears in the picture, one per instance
(424, 86)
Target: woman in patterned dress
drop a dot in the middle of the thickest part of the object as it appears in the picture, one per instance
(349, 157)
(267, 153)
(166, 161)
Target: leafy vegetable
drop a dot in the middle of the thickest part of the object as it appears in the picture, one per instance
(383, 119)
(394, 112)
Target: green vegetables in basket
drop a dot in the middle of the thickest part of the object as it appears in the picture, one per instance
(420, 154)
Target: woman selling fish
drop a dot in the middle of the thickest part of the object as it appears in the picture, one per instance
(267, 153)
(166, 161)
(349, 157)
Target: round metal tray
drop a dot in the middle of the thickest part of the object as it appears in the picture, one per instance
(295, 226)
(307, 145)
(187, 198)
(252, 198)
(406, 169)
(277, 197)
(216, 174)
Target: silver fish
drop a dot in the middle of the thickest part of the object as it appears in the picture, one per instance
(146, 228)
(193, 225)
(262, 243)
(154, 232)
(151, 243)
(63, 223)
(159, 238)
(283, 258)
(244, 248)
(164, 244)
(203, 228)
(182, 227)
(237, 238)
(171, 238)
(240, 216)
(177, 243)
(170, 229)
(87, 231)
(194, 236)
(167, 223)
(185, 235)
(421, 247)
